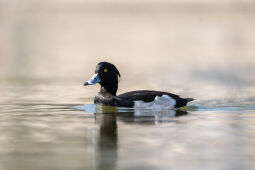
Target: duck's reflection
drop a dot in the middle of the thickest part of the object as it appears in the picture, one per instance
(151, 116)
(107, 144)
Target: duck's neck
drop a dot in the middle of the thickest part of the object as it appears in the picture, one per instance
(112, 89)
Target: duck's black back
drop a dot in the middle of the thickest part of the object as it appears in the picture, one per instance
(149, 96)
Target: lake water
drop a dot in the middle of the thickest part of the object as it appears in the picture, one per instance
(53, 124)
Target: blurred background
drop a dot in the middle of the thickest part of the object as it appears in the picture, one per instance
(203, 46)
(204, 49)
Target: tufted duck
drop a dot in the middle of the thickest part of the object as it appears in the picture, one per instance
(107, 75)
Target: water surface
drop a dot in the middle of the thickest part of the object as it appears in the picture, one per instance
(52, 125)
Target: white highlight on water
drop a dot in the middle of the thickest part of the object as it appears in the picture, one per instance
(163, 102)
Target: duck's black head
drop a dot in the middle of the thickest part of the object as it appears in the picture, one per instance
(107, 75)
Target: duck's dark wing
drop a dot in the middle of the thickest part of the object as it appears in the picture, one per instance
(149, 96)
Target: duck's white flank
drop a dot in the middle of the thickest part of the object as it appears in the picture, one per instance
(163, 102)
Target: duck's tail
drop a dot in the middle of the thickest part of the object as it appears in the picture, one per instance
(190, 99)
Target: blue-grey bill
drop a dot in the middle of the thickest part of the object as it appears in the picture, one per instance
(95, 79)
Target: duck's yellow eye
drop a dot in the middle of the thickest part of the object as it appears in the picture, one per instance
(105, 70)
